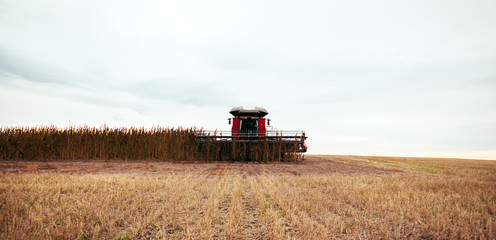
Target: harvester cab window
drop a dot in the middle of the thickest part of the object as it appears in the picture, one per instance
(249, 126)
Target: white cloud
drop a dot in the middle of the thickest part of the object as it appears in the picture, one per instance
(360, 77)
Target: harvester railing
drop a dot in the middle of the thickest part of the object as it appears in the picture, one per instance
(291, 134)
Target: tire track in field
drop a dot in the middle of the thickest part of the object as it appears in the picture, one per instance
(235, 216)
(304, 224)
(253, 228)
(220, 217)
(276, 223)
(212, 211)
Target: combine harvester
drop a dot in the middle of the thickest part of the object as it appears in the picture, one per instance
(249, 128)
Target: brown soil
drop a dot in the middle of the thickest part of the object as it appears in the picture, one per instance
(311, 165)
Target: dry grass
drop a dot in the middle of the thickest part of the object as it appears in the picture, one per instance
(43, 206)
(485, 169)
(235, 216)
(456, 202)
(384, 207)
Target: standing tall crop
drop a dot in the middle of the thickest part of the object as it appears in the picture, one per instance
(157, 143)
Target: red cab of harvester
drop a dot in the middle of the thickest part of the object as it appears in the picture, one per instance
(250, 125)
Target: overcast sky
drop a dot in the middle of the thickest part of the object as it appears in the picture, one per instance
(403, 78)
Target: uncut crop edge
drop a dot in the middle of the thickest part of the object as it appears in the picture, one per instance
(155, 144)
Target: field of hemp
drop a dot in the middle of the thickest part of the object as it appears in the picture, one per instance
(166, 144)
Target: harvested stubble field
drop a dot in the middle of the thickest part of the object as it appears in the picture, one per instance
(320, 198)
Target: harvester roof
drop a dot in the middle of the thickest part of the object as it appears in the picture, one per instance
(252, 112)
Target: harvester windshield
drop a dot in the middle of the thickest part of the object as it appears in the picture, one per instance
(249, 126)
